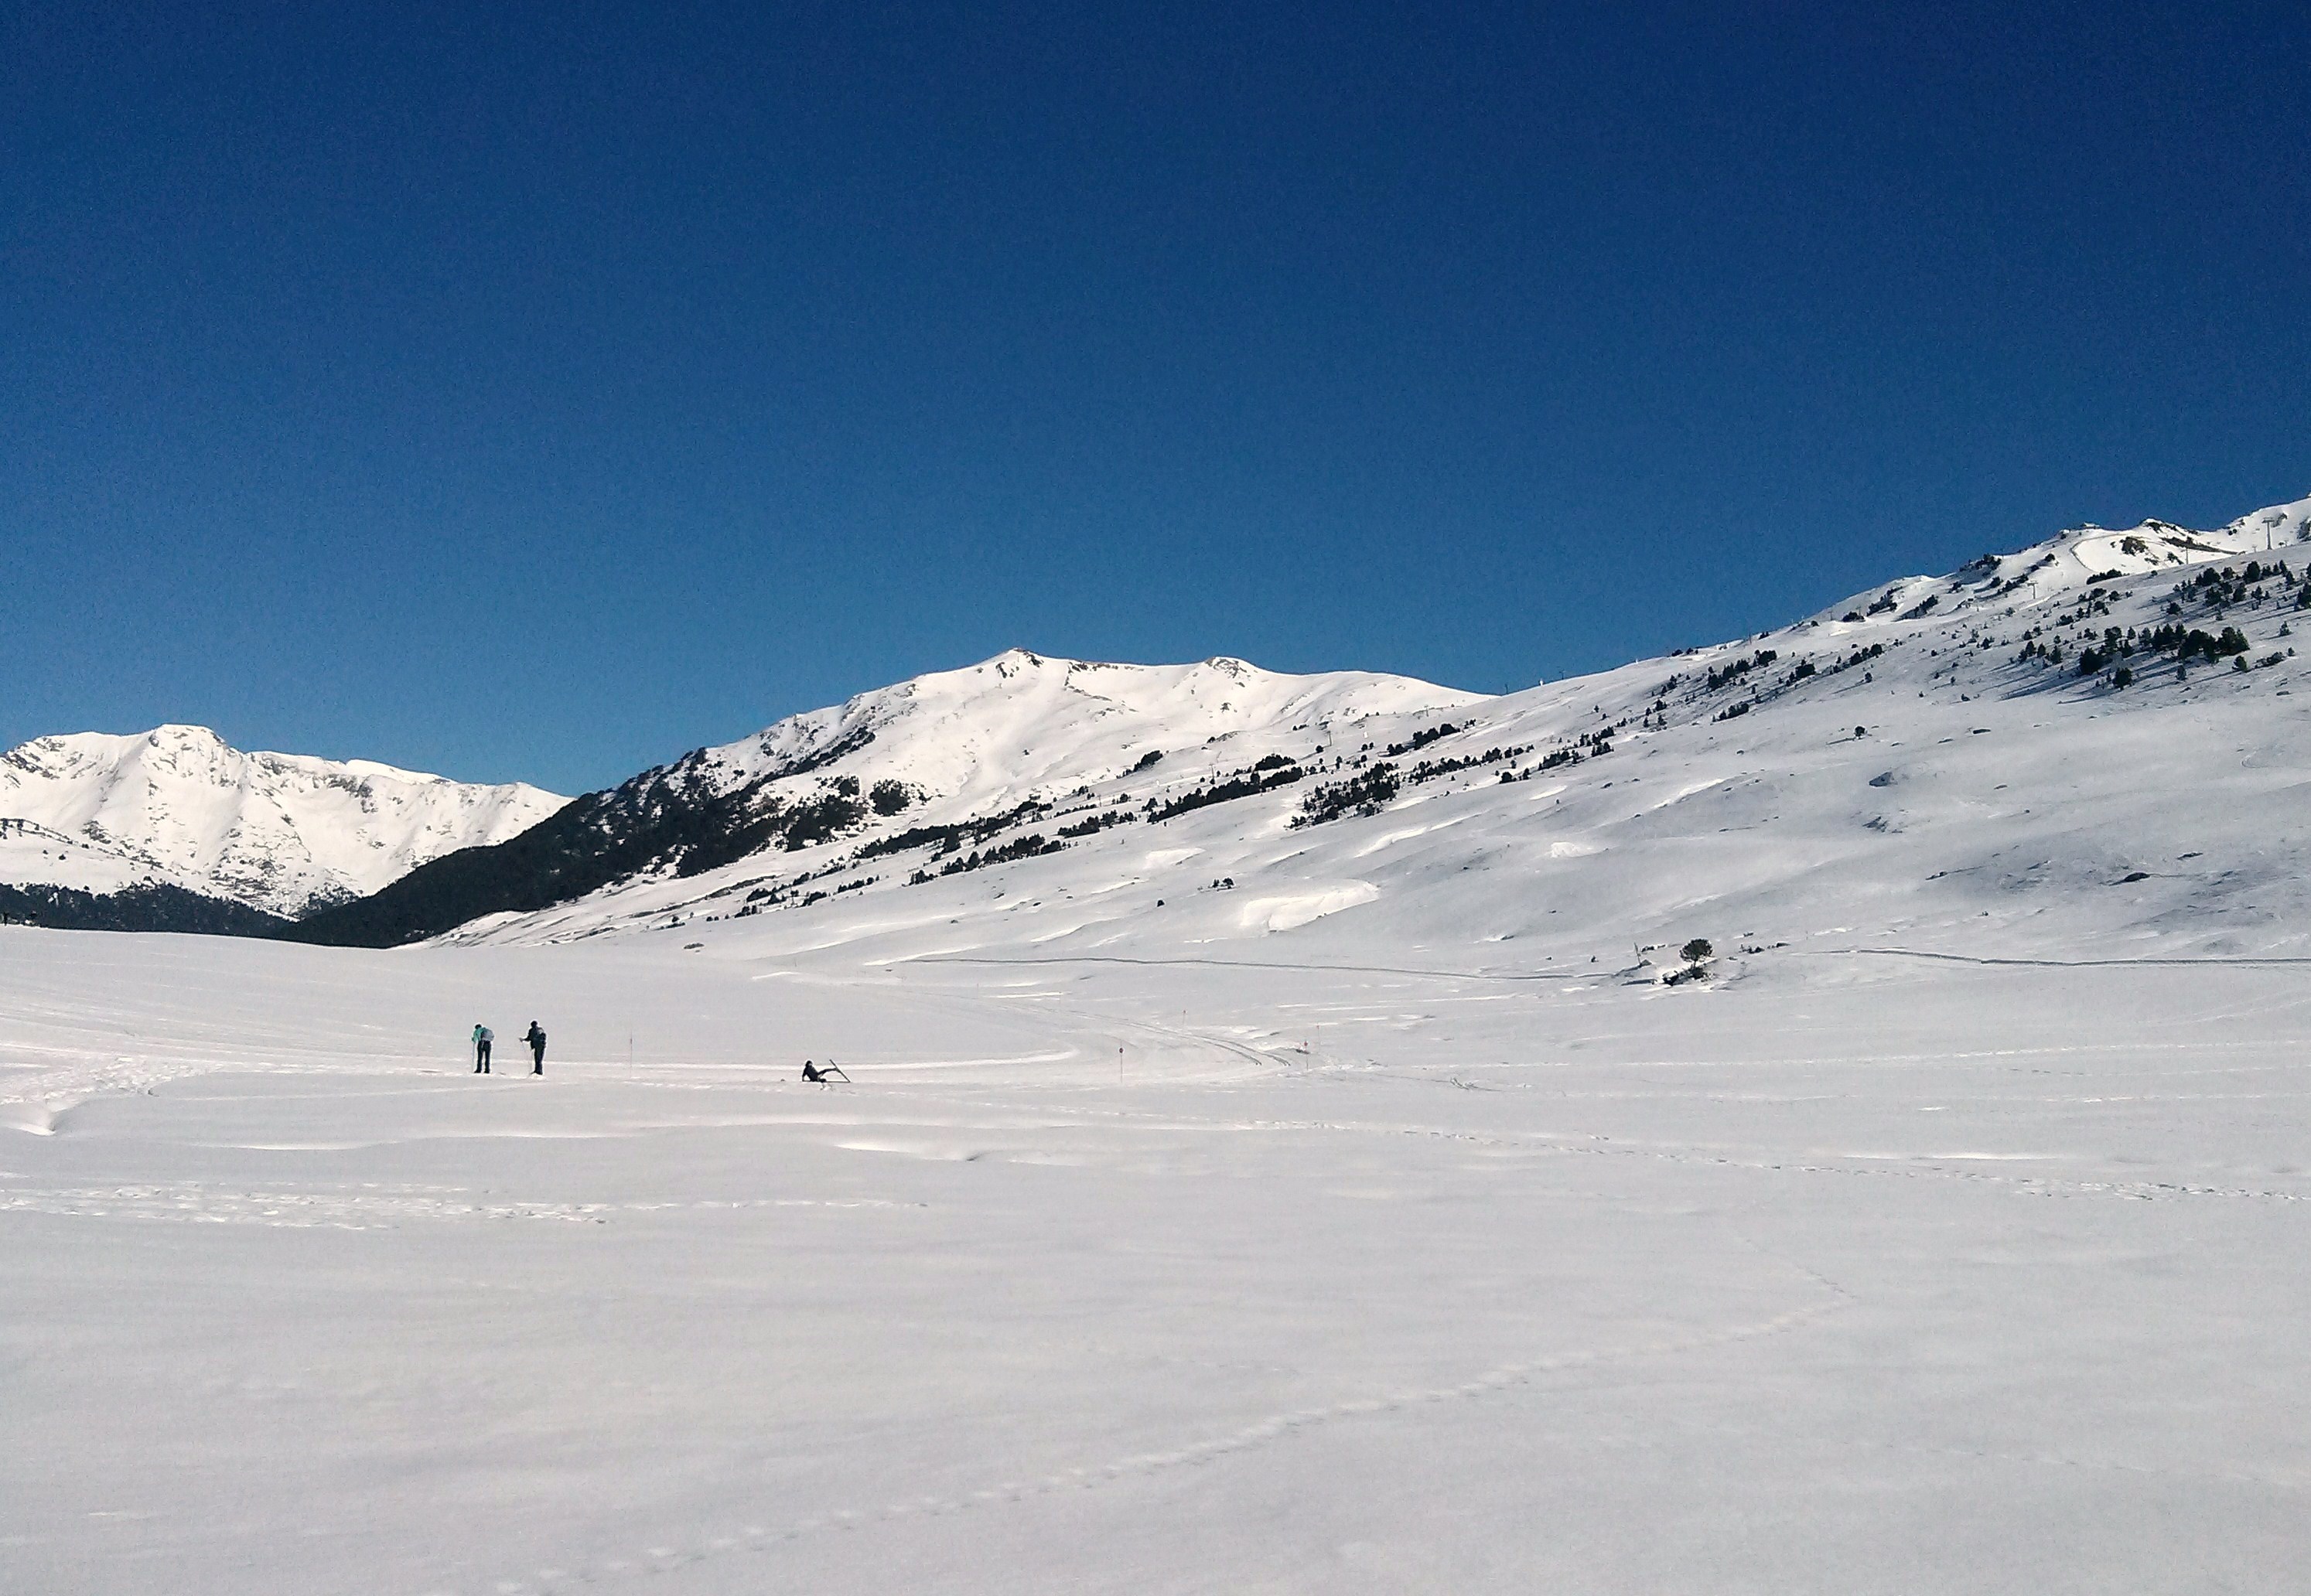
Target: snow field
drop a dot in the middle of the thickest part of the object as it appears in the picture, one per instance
(1854, 1272)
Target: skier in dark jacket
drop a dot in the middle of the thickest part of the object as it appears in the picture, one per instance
(537, 1040)
(483, 1037)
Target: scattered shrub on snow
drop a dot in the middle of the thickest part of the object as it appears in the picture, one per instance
(1421, 740)
(1092, 824)
(1023, 847)
(824, 816)
(1739, 668)
(1260, 779)
(1364, 793)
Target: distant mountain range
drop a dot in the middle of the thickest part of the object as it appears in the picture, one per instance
(174, 829)
(2090, 742)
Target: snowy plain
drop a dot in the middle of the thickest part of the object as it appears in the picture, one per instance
(1856, 1273)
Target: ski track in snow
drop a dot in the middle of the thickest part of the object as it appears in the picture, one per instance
(2242, 962)
(306, 1207)
(1217, 963)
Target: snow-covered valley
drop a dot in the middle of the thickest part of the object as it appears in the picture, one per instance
(1283, 1165)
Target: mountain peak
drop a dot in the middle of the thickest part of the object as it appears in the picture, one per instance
(1028, 717)
(186, 736)
(2073, 560)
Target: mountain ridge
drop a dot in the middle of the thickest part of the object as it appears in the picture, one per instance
(1469, 821)
(92, 814)
(1313, 796)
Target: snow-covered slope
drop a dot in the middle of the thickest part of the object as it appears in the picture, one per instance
(969, 754)
(282, 833)
(1021, 725)
(1926, 762)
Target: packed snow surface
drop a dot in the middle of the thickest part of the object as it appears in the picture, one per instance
(1850, 1271)
(277, 832)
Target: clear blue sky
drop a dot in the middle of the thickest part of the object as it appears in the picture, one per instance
(538, 393)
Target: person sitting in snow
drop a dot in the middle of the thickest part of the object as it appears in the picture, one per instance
(820, 1077)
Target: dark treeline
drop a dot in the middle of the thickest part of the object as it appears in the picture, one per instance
(150, 906)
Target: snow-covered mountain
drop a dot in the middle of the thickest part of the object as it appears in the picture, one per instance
(972, 752)
(1928, 756)
(176, 808)
(2092, 742)
(1020, 726)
